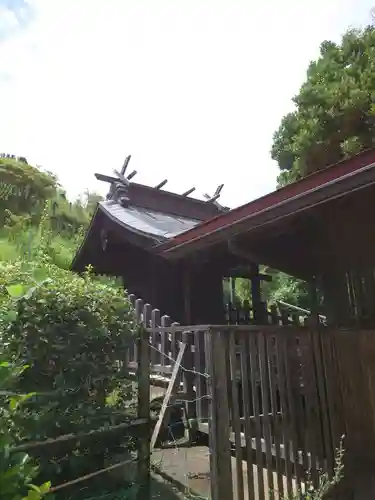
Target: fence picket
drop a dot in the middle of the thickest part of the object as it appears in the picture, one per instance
(265, 393)
(254, 376)
(235, 419)
(155, 337)
(165, 343)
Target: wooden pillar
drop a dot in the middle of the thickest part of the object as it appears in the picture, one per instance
(258, 308)
(220, 457)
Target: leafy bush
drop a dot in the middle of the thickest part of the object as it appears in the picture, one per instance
(17, 471)
(72, 332)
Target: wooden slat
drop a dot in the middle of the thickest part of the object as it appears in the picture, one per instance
(341, 429)
(322, 398)
(332, 391)
(289, 347)
(165, 344)
(176, 337)
(245, 387)
(285, 409)
(200, 379)
(254, 389)
(313, 435)
(295, 360)
(155, 337)
(212, 425)
(276, 417)
(188, 378)
(265, 391)
(235, 421)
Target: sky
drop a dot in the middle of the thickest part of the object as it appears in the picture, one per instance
(192, 89)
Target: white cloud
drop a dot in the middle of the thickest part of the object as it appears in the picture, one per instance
(193, 89)
(8, 21)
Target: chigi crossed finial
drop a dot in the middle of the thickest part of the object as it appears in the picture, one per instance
(118, 190)
(213, 199)
(119, 186)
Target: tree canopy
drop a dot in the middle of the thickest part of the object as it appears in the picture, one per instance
(23, 188)
(334, 114)
(24, 191)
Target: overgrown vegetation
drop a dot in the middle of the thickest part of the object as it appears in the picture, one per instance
(70, 331)
(17, 470)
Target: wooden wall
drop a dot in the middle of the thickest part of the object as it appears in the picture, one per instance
(206, 294)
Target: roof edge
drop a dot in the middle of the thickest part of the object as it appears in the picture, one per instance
(329, 175)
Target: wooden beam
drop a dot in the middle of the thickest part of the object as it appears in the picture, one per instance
(216, 195)
(121, 177)
(248, 273)
(131, 175)
(161, 184)
(106, 178)
(211, 199)
(189, 191)
(125, 165)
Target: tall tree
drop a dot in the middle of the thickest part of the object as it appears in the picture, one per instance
(335, 108)
(23, 188)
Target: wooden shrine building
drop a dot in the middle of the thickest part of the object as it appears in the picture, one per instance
(132, 223)
(174, 251)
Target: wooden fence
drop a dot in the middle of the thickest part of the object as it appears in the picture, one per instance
(283, 419)
(268, 397)
(275, 400)
(110, 436)
(282, 313)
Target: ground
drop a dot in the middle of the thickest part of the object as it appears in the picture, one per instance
(161, 489)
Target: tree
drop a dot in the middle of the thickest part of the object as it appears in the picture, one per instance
(335, 109)
(91, 201)
(23, 188)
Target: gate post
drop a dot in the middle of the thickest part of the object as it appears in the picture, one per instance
(219, 442)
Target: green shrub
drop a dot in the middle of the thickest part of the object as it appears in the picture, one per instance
(17, 471)
(73, 333)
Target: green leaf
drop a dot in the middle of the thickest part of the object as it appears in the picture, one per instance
(10, 316)
(33, 495)
(16, 291)
(44, 488)
(40, 274)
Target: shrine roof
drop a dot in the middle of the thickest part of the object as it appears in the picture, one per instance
(156, 224)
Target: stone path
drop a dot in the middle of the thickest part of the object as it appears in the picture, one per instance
(191, 467)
